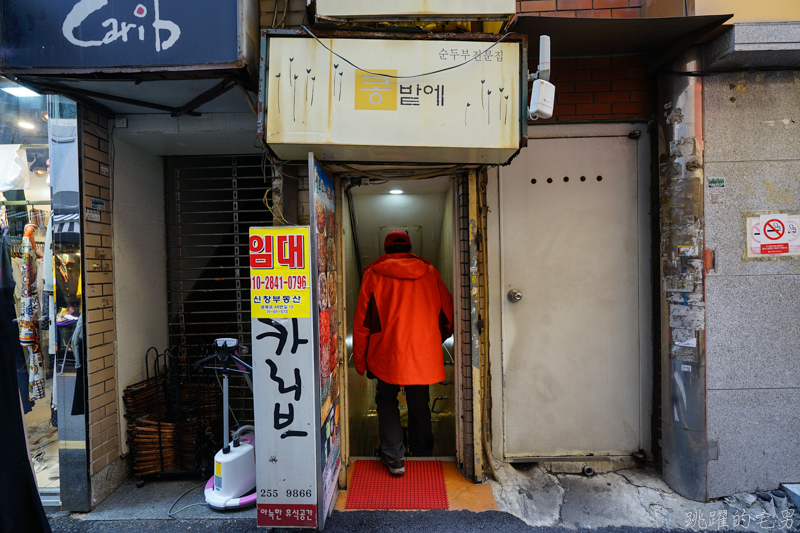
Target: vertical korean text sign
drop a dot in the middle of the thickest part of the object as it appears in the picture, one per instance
(286, 414)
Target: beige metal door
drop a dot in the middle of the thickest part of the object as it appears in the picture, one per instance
(575, 363)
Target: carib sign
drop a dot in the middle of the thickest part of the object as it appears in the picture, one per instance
(119, 33)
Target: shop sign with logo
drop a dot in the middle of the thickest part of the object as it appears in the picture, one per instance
(118, 33)
(394, 100)
(284, 373)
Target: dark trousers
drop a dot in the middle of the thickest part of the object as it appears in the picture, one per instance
(420, 436)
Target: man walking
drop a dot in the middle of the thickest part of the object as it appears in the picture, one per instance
(403, 315)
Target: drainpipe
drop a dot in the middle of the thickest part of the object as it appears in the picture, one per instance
(683, 361)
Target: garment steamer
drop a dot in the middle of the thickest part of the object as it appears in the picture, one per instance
(234, 481)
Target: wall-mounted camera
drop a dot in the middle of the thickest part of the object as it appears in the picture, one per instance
(543, 93)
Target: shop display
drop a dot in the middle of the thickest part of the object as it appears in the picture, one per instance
(29, 316)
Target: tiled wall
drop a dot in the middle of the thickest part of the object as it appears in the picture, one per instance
(752, 363)
(100, 326)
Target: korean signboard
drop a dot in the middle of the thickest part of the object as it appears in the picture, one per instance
(119, 33)
(413, 100)
(284, 372)
(293, 298)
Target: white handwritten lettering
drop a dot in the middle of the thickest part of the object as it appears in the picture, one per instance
(118, 30)
(114, 34)
(171, 27)
(75, 18)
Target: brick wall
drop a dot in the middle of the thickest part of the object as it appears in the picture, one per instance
(100, 323)
(582, 8)
(602, 88)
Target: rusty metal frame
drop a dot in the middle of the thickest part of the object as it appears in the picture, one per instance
(91, 96)
(475, 336)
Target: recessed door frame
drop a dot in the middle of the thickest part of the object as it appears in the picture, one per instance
(344, 425)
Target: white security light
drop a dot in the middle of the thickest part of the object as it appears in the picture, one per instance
(395, 191)
(26, 125)
(20, 92)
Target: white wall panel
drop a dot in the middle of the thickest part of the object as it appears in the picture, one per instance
(140, 279)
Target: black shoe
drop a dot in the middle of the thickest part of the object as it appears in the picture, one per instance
(396, 468)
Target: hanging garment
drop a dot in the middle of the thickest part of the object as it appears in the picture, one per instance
(79, 396)
(16, 272)
(77, 341)
(13, 169)
(20, 506)
(49, 266)
(29, 315)
(8, 302)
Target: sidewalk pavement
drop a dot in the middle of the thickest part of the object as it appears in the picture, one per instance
(540, 497)
(558, 494)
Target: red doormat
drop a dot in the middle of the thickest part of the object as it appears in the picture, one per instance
(420, 488)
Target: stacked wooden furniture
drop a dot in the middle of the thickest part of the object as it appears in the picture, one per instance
(173, 423)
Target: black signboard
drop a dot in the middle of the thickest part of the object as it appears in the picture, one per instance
(119, 33)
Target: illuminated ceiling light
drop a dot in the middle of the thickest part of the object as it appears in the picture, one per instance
(395, 191)
(26, 125)
(20, 92)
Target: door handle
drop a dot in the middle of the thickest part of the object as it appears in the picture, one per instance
(433, 407)
(514, 295)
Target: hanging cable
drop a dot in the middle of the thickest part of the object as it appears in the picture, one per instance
(275, 216)
(275, 14)
(403, 77)
(249, 100)
(434, 174)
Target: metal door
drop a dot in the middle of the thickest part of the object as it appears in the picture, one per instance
(574, 237)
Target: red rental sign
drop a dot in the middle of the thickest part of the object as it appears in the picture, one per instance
(287, 515)
(289, 251)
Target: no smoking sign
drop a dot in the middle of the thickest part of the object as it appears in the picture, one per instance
(776, 233)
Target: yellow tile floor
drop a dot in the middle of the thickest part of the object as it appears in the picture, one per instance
(462, 494)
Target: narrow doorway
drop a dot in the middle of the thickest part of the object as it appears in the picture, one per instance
(425, 209)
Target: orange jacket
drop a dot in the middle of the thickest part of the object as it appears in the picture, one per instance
(403, 315)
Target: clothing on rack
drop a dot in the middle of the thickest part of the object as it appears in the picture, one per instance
(49, 307)
(29, 316)
(20, 505)
(77, 341)
(9, 303)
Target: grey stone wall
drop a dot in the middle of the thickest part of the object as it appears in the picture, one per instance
(752, 136)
